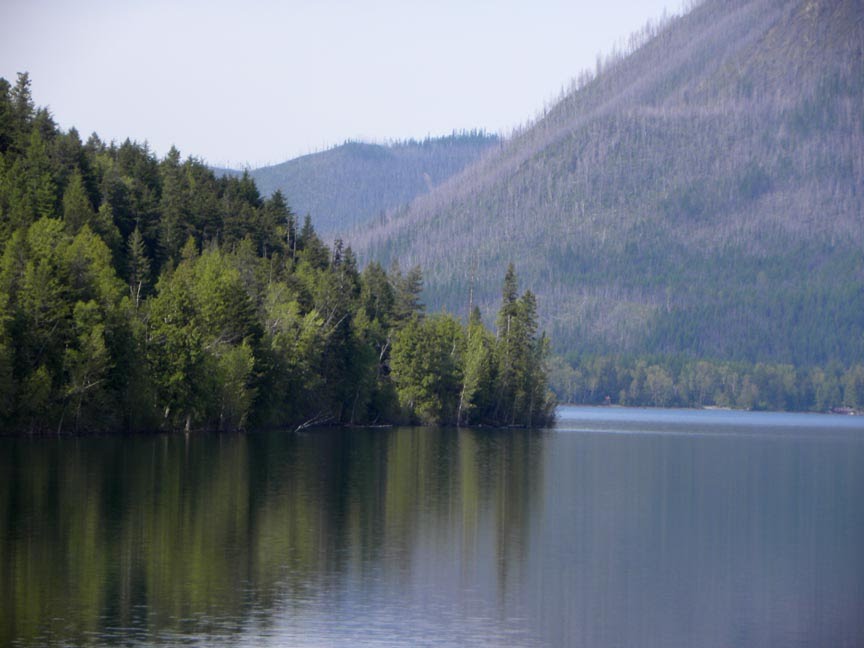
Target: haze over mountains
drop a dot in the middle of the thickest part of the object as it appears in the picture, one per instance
(701, 195)
(351, 184)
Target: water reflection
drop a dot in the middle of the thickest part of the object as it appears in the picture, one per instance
(437, 537)
(214, 535)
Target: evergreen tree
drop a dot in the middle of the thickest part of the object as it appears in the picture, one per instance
(174, 219)
(276, 228)
(406, 292)
(310, 248)
(77, 210)
(521, 397)
(7, 127)
(509, 346)
(139, 267)
(475, 399)
(41, 188)
(7, 379)
(205, 210)
(22, 111)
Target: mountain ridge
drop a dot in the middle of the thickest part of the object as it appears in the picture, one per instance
(348, 185)
(675, 208)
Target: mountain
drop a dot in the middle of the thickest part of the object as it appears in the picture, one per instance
(699, 196)
(351, 184)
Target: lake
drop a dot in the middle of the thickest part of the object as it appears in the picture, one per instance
(620, 527)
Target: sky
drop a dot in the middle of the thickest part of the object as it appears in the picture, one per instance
(258, 82)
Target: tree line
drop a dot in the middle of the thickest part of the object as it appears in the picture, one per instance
(147, 294)
(667, 381)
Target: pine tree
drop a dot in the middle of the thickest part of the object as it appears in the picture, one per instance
(22, 111)
(7, 129)
(277, 227)
(507, 347)
(77, 210)
(406, 291)
(310, 248)
(41, 187)
(477, 392)
(139, 267)
(174, 224)
(521, 397)
(7, 380)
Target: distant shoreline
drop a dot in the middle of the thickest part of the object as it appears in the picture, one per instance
(836, 411)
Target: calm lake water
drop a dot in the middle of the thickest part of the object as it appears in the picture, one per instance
(620, 527)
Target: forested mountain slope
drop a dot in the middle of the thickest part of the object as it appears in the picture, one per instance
(351, 184)
(701, 195)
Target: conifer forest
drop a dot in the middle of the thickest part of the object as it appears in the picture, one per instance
(139, 293)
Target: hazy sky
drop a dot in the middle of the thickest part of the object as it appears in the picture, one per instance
(258, 81)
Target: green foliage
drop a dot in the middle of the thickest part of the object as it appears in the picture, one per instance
(138, 266)
(77, 210)
(7, 384)
(85, 367)
(480, 372)
(427, 364)
(447, 373)
(201, 325)
(232, 377)
(406, 293)
(664, 381)
(145, 294)
(64, 326)
(521, 359)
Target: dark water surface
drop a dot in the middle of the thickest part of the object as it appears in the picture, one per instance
(618, 528)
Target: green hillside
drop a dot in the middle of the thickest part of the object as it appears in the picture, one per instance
(351, 184)
(700, 196)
